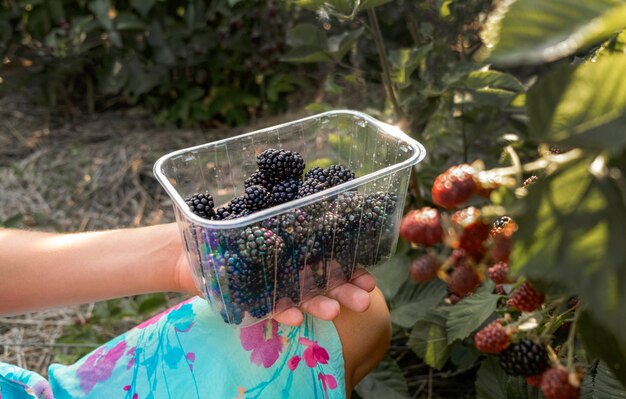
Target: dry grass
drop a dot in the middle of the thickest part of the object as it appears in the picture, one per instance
(89, 173)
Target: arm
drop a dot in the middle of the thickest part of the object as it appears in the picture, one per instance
(44, 270)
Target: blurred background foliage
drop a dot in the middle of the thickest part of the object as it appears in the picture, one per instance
(487, 80)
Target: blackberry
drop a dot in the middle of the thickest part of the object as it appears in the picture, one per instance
(310, 187)
(258, 178)
(424, 268)
(318, 174)
(349, 205)
(201, 204)
(455, 186)
(257, 198)
(286, 190)
(499, 273)
(463, 280)
(234, 209)
(422, 227)
(492, 339)
(555, 384)
(338, 174)
(260, 245)
(525, 358)
(501, 222)
(376, 211)
(525, 298)
(281, 164)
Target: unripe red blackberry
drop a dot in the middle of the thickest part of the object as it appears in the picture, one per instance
(474, 231)
(524, 358)
(525, 298)
(555, 385)
(463, 281)
(499, 273)
(455, 186)
(423, 269)
(502, 239)
(492, 339)
(422, 226)
(532, 179)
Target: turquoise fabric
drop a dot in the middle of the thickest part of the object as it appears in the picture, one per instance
(188, 352)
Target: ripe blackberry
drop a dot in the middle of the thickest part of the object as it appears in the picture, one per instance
(234, 209)
(258, 178)
(320, 175)
(499, 273)
(463, 281)
(201, 204)
(280, 164)
(525, 298)
(286, 190)
(422, 227)
(310, 187)
(455, 186)
(524, 358)
(339, 174)
(474, 231)
(423, 269)
(260, 245)
(555, 385)
(257, 198)
(492, 339)
(377, 209)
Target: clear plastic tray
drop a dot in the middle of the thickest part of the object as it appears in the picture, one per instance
(252, 267)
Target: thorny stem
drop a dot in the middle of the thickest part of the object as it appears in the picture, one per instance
(382, 55)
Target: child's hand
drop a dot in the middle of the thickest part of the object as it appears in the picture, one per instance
(353, 295)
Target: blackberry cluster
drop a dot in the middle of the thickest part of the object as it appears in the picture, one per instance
(265, 264)
(201, 204)
(525, 358)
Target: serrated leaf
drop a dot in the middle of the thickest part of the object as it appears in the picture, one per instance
(573, 225)
(385, 381)
(602, 345)
(536, 31)
(518, 388)
(413, 301)
(428, 340)
(582, 107)
(599, 383)
(471, 312)
(392, 274)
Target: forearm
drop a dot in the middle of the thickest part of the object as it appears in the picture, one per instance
(43, 270)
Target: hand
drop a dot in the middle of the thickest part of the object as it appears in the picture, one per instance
(353, 295)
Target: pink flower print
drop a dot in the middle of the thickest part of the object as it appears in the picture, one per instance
(293, 362)
(314, 353)
(264, 342)
(99, 366)
(328, 381)
(191, 357)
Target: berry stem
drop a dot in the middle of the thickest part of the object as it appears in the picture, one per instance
(570, 342)
(541, 163)
(517, 164)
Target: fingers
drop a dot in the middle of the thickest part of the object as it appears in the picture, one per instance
(362, 279)
(321, 307)
(351, 296)
(290, 317)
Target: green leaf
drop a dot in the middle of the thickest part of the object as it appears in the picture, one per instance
(600, 344)
(428, 340)
(571, 237)
(392, 274)
(386, 381)
(582, 107)
(309, 44)
(600, 383)
(492, 79)
(405, 61)
(491, 380)
(143, 6)
(413, 301)
(471, 312)
(493, 383)
(464, 357)
(536, 31)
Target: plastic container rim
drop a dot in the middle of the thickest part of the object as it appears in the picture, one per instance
(418, 155)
